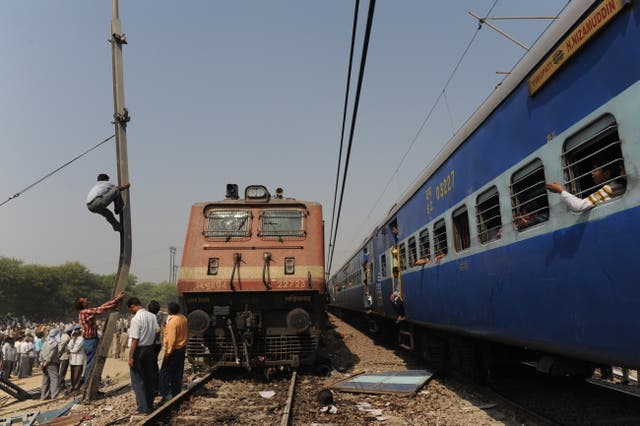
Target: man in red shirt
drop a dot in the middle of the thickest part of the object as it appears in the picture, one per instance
(87, 320)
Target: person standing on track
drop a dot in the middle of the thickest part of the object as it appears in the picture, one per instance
(176, 335)
(104, 193)
(143, 369)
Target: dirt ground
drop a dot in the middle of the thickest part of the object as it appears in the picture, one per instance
(439, 402)
(115, 375)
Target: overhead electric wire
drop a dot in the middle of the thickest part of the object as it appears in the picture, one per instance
(433, 107)
(344, 117)
(17, 194)
(354, 116)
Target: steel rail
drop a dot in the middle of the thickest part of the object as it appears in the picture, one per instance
(287, 408)
(153, 418)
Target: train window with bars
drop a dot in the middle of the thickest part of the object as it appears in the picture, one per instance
(383, 265)
(488, 215)
(403, 257)
(529, 201)
(413, 252)
(282, 223)
(440, 239)
(227, 223)
(461, 237)
(595, 146)
(425, 249)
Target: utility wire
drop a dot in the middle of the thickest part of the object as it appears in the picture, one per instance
(433, 107)
(363, 61)
(17, 194)
(344, 118)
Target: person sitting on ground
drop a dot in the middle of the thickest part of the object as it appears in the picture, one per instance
(104, 193)
(600, 175)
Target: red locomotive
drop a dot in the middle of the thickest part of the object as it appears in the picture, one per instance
(252, 280)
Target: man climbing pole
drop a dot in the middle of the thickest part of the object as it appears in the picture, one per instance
(101, 195)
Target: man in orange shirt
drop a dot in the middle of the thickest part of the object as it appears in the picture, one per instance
(176, 334)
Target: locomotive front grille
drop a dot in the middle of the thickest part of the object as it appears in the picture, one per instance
(267, 349)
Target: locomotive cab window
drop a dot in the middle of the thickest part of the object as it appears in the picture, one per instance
(227, 223)
(488, 215)
(282, 223)
(425, 249)
(461, 238)
(597, 146)
(529, 201)
(440, 239)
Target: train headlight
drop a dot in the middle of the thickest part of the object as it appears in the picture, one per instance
(298, 320)
(199, 321)
(289, 265)
(214, 262)
(256, 192)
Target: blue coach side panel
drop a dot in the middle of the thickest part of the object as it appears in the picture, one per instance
(566, 286)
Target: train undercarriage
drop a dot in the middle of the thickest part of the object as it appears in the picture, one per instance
(254, 330)
(462, 354)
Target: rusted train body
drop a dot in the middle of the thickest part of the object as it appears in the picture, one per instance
(252, 280)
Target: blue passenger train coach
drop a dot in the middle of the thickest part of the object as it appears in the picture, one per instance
(479, 260)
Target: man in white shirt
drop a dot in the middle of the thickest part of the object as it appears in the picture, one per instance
(23, 357)
(142, 365)
(601, 175)
(9, 357)
(104, 193)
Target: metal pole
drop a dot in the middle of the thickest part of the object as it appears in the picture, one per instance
(121, 118)
(524, 18)
(498, 30)
(172, 264)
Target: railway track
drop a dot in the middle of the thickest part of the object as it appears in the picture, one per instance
(562, 401)
(229, 397)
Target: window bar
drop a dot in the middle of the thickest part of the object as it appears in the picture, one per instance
(528, 189)
(521, 178)
(582, 159)
(595, 137)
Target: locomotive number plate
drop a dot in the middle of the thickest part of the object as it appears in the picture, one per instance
(290, 284)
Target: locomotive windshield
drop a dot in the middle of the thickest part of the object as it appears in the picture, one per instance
(227, 223)
(282, 223)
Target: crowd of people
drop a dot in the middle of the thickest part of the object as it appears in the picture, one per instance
(59, 349)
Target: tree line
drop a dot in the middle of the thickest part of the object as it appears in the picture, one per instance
(46, 293)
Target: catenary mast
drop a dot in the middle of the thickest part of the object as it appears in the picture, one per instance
(121, 118)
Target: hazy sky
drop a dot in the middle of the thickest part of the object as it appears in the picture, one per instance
(246, 92)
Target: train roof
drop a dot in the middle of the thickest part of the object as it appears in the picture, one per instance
(567, 18)
(282, 202)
